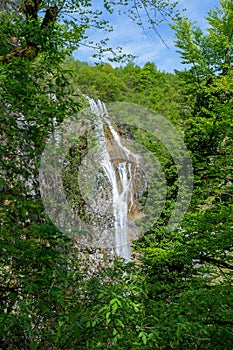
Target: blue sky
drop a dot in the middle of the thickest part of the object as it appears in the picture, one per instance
(147, 46)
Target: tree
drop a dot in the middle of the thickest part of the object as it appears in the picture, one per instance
(43, 292)
(68, 20)
(190, 271)
(180, 296)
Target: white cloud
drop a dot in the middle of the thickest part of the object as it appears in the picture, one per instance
(149, 47)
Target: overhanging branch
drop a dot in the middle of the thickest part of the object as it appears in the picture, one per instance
(30, 9)
(216, 262)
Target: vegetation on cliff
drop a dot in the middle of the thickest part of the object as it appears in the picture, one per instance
(178, 295)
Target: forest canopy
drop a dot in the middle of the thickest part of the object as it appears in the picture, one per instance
(176, 293)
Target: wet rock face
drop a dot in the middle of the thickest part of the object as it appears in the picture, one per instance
(110, 185)
(131, 165)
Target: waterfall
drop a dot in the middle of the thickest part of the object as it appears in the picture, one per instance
(119, 165)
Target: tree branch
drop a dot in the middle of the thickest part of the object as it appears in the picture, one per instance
(220, 322)
(50, 17)
(216, 262)
(30, 9)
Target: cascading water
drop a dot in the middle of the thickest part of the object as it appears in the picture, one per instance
(120, 166)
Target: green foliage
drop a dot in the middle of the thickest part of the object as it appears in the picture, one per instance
(33, 274)
(145, 86)
(98, 81)
(52, 24)
(178, 295)
(192, 267)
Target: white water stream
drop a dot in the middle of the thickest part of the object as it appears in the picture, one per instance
(120, 171)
